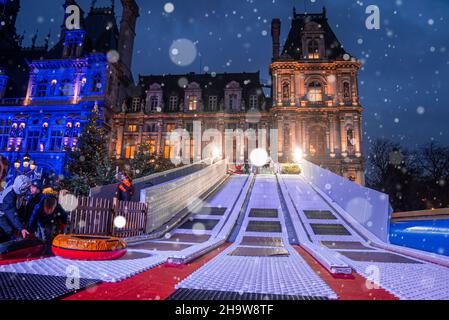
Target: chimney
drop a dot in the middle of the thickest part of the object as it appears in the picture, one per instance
(276, 34)
(128, 33)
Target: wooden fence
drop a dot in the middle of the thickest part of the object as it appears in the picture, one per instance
(95, 216)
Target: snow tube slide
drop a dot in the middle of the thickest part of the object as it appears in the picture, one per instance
(20, 249)
(91, 248)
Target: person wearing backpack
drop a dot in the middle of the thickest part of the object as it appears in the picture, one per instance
(9, 216)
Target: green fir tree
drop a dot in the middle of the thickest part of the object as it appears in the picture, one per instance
(89, 165)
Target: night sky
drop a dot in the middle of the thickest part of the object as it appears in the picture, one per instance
(404, 81)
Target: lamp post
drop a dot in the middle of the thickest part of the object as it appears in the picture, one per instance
(28, 166)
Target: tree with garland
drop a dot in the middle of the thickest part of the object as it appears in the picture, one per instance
(89, 165)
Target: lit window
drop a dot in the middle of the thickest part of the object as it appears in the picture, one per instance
(173, 103)
(170, 128)
(213, 103)
(132, 128)
(315, 92)
(152, 146)
(130, 152)
(313, 50)
(193, 103)
(169, 151)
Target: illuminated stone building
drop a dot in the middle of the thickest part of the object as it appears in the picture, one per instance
(314, 102)
(315, 96)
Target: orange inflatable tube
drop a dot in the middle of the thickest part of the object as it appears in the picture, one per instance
(92, 248)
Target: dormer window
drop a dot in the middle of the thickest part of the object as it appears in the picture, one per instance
(233, 104)
(313, 49)
(193, 103)
(213, 103)
(253, 102)
(154, 103)
(233, 96)
(173, 103)
(136, 105)
(315, 92)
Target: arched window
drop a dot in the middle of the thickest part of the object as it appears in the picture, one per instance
(346, 90)
(286, 90)
(350, 137)
(42, 88)
(96, 83)
(315, 92)
(313, 49)
(66, 88)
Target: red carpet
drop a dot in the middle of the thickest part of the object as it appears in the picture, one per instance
(351, 287)
(155, 284)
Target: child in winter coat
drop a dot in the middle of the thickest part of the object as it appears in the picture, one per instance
(48, 220)
(9, 216)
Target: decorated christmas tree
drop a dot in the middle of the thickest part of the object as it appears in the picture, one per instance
(143, 163)
(89, 165)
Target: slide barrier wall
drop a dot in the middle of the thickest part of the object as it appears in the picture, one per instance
(166, 200)
(368, 207)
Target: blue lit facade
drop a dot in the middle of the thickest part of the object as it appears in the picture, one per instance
(61, 89)
(45, 124)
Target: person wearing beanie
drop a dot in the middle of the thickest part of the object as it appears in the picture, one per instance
(33, 199)
(9, 215)
(125, 189)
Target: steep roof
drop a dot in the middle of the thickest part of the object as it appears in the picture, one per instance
(293, 46)
(210, 84)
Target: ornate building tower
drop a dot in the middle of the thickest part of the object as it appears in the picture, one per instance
(128, 33)
(315, 97)
(9, 10)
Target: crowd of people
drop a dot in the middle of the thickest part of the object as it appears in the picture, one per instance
(28, 209)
